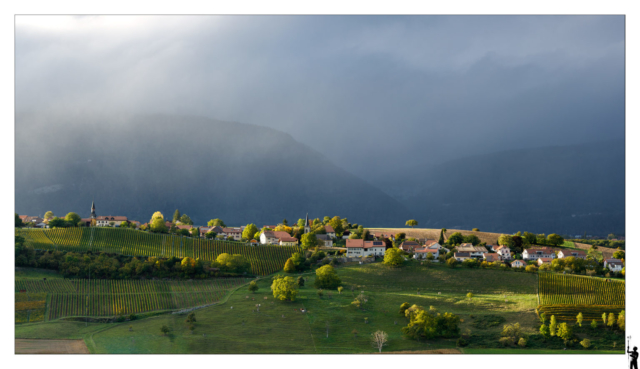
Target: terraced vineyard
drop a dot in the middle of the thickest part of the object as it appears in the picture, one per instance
(264, 259)
(567, 295)
(120, 297)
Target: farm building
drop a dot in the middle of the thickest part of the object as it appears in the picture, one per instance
(422, 253)
(359, 248)
(614, 265)
(534, 254)
(580, 254)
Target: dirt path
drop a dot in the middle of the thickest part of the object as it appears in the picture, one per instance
(30, 346)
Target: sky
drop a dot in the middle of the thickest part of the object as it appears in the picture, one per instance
(369, 92)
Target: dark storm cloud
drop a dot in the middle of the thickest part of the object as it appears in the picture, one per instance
(368, 92)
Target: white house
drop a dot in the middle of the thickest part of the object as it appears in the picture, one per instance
(462, 256)
(614, 265)
(434, 245)
(105, 220)
(534, 254)
(580, 254)
(274, 237)
(518, 264)
(235, 233)
(359, 248)
(330, 231)
(326, 239)
(287, 241)
(422, 253)
(504, 252)
(544, 261)
(474, 251)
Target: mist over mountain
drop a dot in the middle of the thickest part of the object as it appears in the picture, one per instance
(134, 166)
(560, 189)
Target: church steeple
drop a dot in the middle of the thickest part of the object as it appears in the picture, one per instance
(93, 210)
(307, 226)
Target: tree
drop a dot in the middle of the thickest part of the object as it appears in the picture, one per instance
(184, 219)
(301, 223)
(555, 240)
(476, 230)
(511, 333)
(621, 318)
(337, 225)
(423, 324)
(618, 254)
(327, 278)
(544, 331)
(522, 342)
(216, 222)
(528, 238)
(604, 319)
(176, 216)
(379, 339)
(191, 318)
(393, 257)
(553, 325)
(565, 332)
(586, 343)
(441, 239)
(48, 215)
(611, 236)
(505, 240)
(309, 240)
(289, 267)
(284, 288)
(300, 281)
(611, 321)
(579, 319)
(210, 235)
(157, 222)
(164, 329)
(58, 223)
(452, 262)
(249, 231)
(456, 238)
(18, 221)
(340, 289)
(430, 256)
(469, 295)
(253, 286)
(73, 218)
(594, 324)
(472, 239)
(411, 223)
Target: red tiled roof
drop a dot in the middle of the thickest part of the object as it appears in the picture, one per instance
(329, 229)
(231, 230)
(426, 250)
(185, 226)
(277, 234)
(288, 239)
(357, 243)
(614, 261)
(428, 243)
(491, 257)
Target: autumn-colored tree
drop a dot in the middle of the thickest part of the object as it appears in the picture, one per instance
(621, 318)
(289, 267)
(469, 295)
(216, 222)
(586, 343)
(393, 257)
(553, 325)
(565, 332)
(594, 324)
(579, 319)
(284, 288)
(157, 223)
(611, 321)
(544, 331)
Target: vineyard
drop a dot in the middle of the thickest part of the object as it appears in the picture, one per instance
(264, 259)
(117, 297)
(567, 295)
(30, 307)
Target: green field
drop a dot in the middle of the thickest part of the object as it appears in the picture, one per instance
(235, 326)
(264, 259)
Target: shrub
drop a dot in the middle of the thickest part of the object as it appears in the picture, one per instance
(461, 342)
(586, 343)
(522, 342)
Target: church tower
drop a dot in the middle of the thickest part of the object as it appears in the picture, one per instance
(93, 214)
(307, 226)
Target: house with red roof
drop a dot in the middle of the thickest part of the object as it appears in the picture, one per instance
(359, 248)
(534, 254)
(423, 252)
(542, 261)
(409, 246)
(579, 254)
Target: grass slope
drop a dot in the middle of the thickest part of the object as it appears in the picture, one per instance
(235, 327)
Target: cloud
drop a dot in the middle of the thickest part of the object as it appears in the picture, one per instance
(369, 92)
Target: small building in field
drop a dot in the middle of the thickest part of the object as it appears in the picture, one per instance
(542, 261)
(359, 248)
(614, 265)
(578, 254)
(518, 264)
(106, 220)
(287, 240)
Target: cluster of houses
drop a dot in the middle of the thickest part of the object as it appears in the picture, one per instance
(467, 251)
